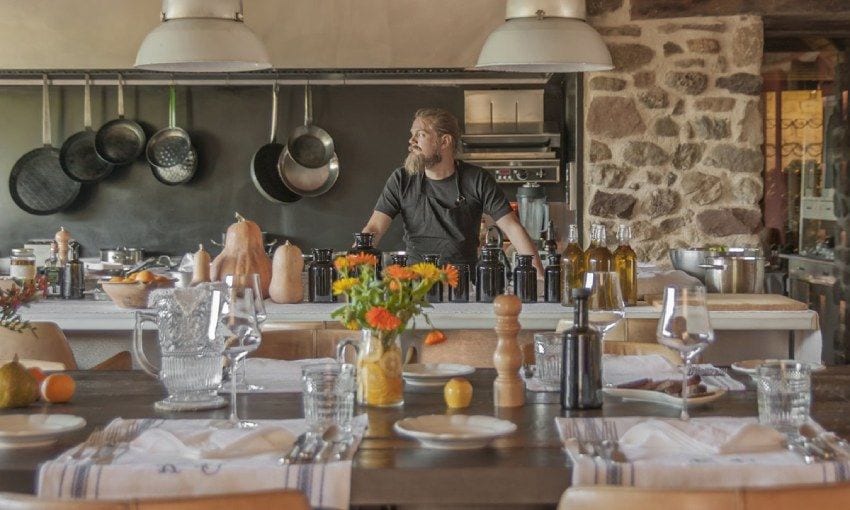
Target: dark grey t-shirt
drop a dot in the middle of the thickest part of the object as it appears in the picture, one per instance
(434, 220)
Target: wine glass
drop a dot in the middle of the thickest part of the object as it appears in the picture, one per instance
(605, 304)
(240, 282)
(684, 327)
(237, 323)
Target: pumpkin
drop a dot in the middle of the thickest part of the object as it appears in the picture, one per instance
(243, 254)
(286, 284)
(201, 271)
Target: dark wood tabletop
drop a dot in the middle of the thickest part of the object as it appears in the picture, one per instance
(526, 468)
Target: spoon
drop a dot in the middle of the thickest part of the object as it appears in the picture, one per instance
(332, 436)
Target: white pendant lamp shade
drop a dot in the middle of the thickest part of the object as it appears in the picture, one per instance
(202, 37)
(545, 36)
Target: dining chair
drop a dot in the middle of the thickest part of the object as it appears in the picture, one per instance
(822, 497)
(290, 500)
(46, 346)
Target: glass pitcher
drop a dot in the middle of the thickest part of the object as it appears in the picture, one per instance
(379, 366)
(190, 349)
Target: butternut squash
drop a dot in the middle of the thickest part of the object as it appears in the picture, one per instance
(243, 254)
(201, 272)
(286, 275)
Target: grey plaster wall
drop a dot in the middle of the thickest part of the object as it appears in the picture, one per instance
(369, 124)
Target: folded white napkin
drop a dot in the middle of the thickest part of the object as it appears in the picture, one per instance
(709, 452)
(706, 437)
(204, 443)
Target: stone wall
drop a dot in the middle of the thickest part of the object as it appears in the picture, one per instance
(673, 134)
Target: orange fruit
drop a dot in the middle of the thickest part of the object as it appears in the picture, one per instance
(145, 276)
(37, 373)
(435, 337)
(458, 392)
(57, 388)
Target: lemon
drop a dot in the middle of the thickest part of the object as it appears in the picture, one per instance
(457, 392)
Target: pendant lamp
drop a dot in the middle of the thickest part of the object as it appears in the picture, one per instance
(202, 36)
(545, 36)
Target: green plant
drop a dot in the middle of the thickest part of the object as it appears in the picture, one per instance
(12, 299)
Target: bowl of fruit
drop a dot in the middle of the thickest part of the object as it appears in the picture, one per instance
(132, 291)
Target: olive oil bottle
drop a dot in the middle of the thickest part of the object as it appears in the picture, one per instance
(572, 266)
(625, 264)
(597, 257)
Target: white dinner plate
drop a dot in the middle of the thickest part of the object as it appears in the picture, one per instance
(433, 374)
(455, 432)
(659, 397)
(31, 430)
(750, 366)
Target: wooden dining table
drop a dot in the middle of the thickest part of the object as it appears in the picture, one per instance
(528, 468)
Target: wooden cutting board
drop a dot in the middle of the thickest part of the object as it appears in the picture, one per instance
(746, 302)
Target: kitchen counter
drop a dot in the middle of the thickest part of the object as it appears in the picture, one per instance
(766, 327)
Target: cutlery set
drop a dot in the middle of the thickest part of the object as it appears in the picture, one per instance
(813, 446)
(332, 444)
(106, 442)
(598, 439)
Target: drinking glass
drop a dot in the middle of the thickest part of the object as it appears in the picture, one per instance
(605, 304)
(784, 395)
(548, 348)
(328, 393)
(684, 327)
(238, 325)
(240, 282)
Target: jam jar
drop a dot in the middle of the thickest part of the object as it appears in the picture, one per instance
(22, 265)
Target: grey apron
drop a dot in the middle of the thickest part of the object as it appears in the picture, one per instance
(449, 230)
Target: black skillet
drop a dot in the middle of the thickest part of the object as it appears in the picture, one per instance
(37, 183)
(264, 165)
(78, 156)
(120, 141)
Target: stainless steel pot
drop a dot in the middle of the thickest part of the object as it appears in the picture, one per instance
(691, 260)
(122, 255)
(734, 274)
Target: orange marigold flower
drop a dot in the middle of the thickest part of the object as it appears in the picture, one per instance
(450, 275)
(380, 318)
(359, 259)
(394, 286)
(426, 270)
(399, 272)
(435, 337)
(341, 263)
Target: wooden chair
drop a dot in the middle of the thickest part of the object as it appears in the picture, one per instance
(282, 499)
(47, 347)
(822, 497)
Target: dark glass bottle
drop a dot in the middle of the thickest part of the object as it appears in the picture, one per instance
(525, 279)
(320, 277)
(363, 243)
(552, 279)
(550, 245)
(73, 277)
(581, 364)
(572, 266)
(489, 276)
(399, 259)
(435, 295)
(460, 294)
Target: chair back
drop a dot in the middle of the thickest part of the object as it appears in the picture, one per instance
(290, 500)
(45, 342)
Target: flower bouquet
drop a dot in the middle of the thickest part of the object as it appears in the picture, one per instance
(381, 308)
(12, 299)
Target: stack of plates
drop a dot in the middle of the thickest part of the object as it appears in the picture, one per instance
(433, 374)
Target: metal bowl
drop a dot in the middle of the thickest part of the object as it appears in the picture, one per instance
(689, 259)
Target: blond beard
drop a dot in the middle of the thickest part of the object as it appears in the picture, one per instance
(416, 162)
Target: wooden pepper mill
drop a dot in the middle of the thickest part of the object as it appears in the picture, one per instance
(508, 388)
(62, 237)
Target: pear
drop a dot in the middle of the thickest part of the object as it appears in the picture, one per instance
(18, 387)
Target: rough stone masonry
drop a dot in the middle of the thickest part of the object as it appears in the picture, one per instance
(673, 134)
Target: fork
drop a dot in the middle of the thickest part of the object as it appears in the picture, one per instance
(94, 440)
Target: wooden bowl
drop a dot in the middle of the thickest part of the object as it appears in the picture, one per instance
(131, 294)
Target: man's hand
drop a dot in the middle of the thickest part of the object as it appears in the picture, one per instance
(511, 226)
(378, 224)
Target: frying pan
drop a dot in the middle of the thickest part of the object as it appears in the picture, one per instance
(310, 146)
(120, 141)
(307, 182)
(170, 146)
(37, 183)
(78, 156)
(264, 165)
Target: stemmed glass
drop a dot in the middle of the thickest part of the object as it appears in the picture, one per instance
(237, 323)
(684, 327)
(605, 305)
(240, 281)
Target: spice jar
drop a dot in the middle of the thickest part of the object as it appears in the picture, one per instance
(489, 276)
(22, 265)
(320, 277)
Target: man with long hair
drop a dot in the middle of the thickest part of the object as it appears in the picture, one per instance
(441, 199)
